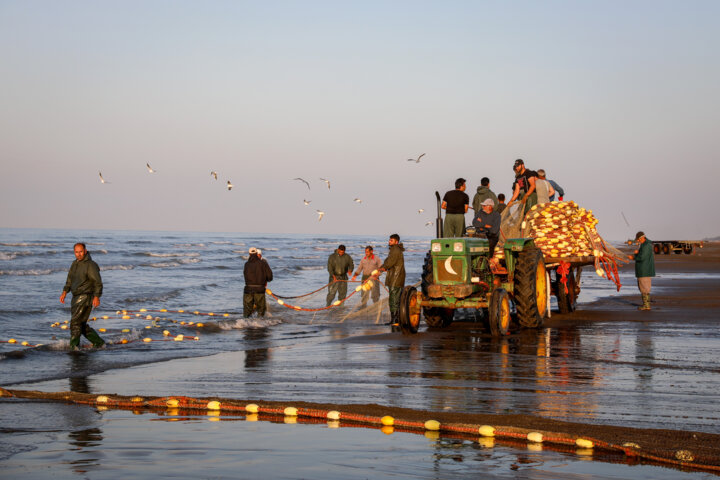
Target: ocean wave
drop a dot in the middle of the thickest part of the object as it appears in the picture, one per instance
(240, 323)
(117, 267)
(188, 245)
(309, 267)
(29, 244)
(158, 298)
(32, 271)
(166, 255)
(174, 263)
(221, 243)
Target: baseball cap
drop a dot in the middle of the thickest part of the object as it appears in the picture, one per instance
(252, 250)
(639, 235)
(488, 201)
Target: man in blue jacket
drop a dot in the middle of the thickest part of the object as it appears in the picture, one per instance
(644, 268)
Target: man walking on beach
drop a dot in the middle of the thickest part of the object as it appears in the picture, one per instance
(369, 263)
(257, 274)
(394, 265)
(455, 203)
(84, 282)
(644, 268)
(339, 266)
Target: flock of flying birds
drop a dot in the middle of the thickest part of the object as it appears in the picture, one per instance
(320, 213)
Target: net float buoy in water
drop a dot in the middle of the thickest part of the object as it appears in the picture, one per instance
(291, 411)
(333, 415)
(172, 403)
(147, 339)
(102, 399)
(584, 443)
(535, 437)
(387, 420)
(487, 431)
(432, 425)
(213, 405)
(252, 408)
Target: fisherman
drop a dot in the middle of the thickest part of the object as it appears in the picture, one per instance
(644, 268)
(487, 224)
(339, 266)
(455, 203)
(369, 263)
(558, 189)
(501, 203)
(545, 191)
(394, 265)
(483, 192)
(257, 274)
(524, 182)
(84, 282)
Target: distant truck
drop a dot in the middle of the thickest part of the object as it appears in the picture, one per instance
(678, 246)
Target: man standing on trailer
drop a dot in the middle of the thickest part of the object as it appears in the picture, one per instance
(644, 268)
(455, 203)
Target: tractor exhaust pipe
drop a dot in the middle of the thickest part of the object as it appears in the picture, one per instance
(438, 220)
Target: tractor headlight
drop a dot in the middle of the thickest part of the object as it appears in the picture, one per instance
(436, 247)
(458, 247)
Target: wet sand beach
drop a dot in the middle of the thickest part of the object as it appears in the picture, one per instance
(606, 371)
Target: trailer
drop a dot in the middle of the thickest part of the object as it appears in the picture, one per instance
(675, 246)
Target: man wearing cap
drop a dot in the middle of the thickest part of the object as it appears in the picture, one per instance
(487, 223)
(455, 203)
(369, 263)
(257, 274)
(524, 182)
(339, 266)
(644, 268)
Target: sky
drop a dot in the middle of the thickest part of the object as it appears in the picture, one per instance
(617, 100)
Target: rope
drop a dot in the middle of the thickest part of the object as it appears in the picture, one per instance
(336, 303)
(680, 458)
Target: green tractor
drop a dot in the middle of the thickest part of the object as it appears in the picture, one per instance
(458, 273)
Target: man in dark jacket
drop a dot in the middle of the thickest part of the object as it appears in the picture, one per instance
(644, 268)
(84, 282)
(487, 224)
(483, 193)
(394, 265)
(257, 274)
(339, 266)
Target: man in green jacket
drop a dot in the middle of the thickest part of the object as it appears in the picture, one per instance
(394, 265)
(84, 282)
(339, 266)
(644, 268)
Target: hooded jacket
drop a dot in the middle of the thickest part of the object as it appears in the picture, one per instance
(645, 260)
(84, 277)
(395, 266)
(257, 273)
(483, 193)
(339, 265)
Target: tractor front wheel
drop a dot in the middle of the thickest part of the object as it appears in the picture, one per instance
(499, 318)
(409, 311)
(531, 298)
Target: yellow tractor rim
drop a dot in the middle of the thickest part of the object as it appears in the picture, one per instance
(414, 311)
(541, 289)
(505, 314)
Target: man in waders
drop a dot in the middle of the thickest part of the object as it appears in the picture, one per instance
(339, 266)
(369, 263)
(257, 274)
(84, 282)
(394, 265)
(644, 268)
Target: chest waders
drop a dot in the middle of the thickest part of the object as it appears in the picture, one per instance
(80, 311)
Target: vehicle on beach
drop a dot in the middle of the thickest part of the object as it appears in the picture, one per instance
(461, 273)
(667, 247)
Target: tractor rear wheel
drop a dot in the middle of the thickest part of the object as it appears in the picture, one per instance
(656, 248)
(409, 310)
(531, 298)
(666, 249)
(566, 301)
(499, 312)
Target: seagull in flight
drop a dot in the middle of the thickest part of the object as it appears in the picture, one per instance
(102, 180)
(421, 210)
(326, 181)
(357, 200)
(229, 185)
(150, 169)
(306, 202)
(416, 160)
(304, 181)
(427, 224)
(213, 174)
(320, 214)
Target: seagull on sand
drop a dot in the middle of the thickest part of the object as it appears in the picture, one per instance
(427, 224)
(326, 181)
(230, 185)
(304, 181)
(320, 214)
(101, 178)
(306, 202)
(357, 200)
(213, 174)
(421, 210)
(416, 160)
(150, 169)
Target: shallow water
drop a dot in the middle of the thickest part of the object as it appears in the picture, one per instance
(81, 441)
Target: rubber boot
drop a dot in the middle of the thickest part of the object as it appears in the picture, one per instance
(646, 302)
(93, 336)
(74, 343)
